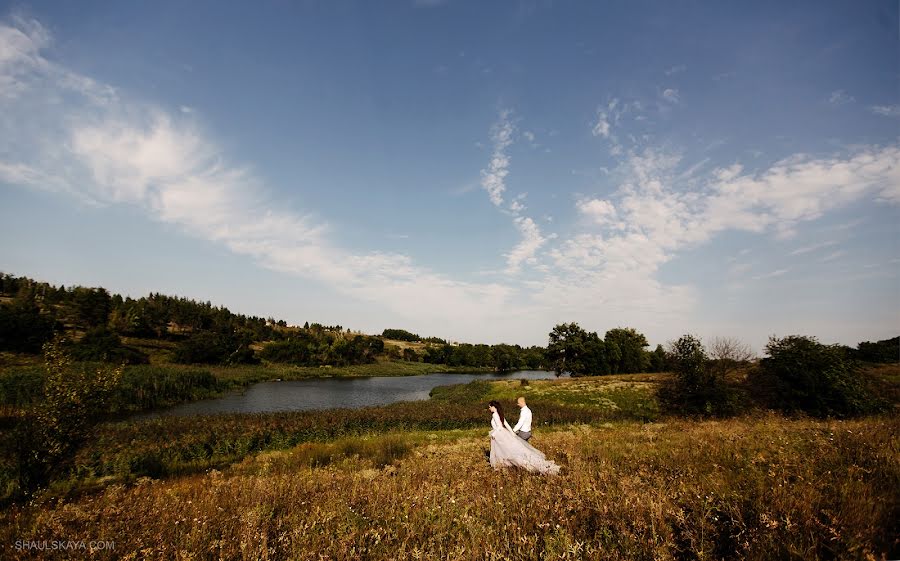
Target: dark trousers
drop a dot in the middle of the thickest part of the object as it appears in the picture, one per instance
(526, 436)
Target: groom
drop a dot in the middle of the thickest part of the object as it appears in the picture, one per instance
(523, 427)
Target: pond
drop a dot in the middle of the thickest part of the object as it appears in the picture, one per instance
(328, 393)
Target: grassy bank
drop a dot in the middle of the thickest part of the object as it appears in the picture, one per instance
(627, 396)
(751, 488)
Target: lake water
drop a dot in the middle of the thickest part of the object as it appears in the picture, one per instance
(328, 393)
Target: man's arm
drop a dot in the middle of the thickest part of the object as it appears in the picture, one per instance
(521, 420)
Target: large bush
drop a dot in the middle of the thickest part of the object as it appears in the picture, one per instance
(209, 347)
(75, 398)
(696, 387)
(886, 351)
(813, 378)
(102, 344)
(400, 335)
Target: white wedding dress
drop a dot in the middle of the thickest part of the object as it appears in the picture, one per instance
(508, 450)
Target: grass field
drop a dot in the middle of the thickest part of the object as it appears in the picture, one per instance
(751, 488)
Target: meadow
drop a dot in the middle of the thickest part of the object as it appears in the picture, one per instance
(411, 480)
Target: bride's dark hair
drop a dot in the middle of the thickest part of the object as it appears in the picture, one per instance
(496, 405)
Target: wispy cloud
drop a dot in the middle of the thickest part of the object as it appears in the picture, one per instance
(525, 251)
(814, 247)
(840, 97)
(771, 275)
(677, 69)
(832, 256)
(886, 110)
(671, 95)
(493, 178)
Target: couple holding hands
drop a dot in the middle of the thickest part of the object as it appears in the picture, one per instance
(509, 445)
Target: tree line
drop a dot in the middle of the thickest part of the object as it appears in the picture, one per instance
(95, 323)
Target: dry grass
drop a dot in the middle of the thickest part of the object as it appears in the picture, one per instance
(747, 488)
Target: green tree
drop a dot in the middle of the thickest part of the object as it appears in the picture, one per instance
(696, 388)
(566, 349)
(886, 351)
(23, 328)
(814, 378)
(657, 359)
(90, 307)
(631, 350)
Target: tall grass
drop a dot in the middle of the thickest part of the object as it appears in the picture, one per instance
(755, 489)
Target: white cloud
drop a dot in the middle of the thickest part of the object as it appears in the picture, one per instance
(600, 211)
(771, 275)
(493, 178)
(678, 68)
(671, 95)
(655, 215)
(886, 110)
(814, 247)
(602, 127)
(529, 136)
(832, 256)
(525, 250)
(840, 97)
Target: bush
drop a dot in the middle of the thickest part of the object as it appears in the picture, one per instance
(817, 379)
(102, 344)
(400, 335)
(886, 351)
(696, 388)
(208, 347)
(293, 351)
(75, 399)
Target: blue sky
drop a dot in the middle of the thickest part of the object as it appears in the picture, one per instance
(472, 170)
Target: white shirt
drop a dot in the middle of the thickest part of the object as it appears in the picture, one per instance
(524, 423)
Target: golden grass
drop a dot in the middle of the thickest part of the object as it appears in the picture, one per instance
(749, 488)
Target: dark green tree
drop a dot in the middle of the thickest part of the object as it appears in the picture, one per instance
(566, 349)
(657, 359)
(814, 378)
(23, 328)
(631, 349)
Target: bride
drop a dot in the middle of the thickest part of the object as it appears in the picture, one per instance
(507, 449)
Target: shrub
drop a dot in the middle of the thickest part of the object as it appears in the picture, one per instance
(886, 351)
(209, 347)
(817, 379)
(75, 399)
(400, 335)
(102, 344)
(696, 388)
